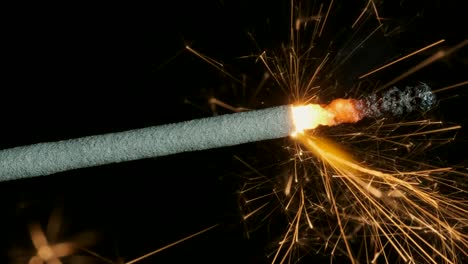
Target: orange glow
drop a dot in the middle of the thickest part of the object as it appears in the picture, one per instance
(345, 111)
(338, 111)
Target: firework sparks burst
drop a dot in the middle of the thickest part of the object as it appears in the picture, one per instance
(377, 199)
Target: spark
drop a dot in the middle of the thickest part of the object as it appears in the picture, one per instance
(435, 57)
(171, 244)
(212, 62)
(326, 17)
(451, 87)
(145, 256)
(402, 58)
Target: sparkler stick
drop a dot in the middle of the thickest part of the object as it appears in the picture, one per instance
(213, 132)
(200, 134)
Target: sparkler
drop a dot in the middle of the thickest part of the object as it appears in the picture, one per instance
(207, 133)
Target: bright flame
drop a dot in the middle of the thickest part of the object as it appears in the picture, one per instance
(310, 116)
(338, 111)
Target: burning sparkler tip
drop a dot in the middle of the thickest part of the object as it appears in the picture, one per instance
(339, 111)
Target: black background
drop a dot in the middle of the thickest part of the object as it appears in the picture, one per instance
(75, 70)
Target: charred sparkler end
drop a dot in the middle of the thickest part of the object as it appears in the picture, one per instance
(394, 102)
(397, 102)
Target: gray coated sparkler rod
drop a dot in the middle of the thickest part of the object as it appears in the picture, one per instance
(200, 134)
